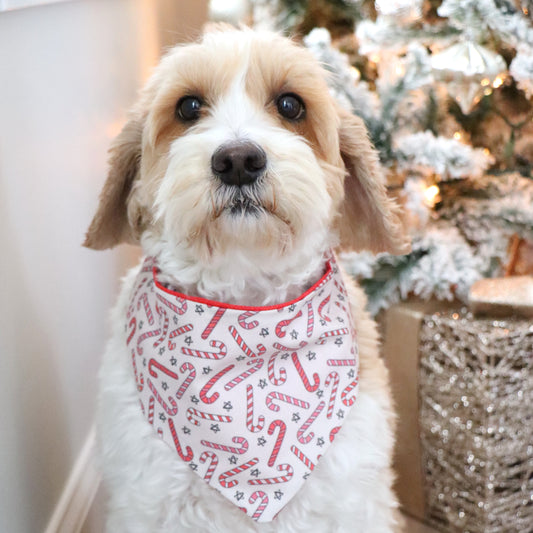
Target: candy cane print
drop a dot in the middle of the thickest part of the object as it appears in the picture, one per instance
(181, 308)
(341, 306)
(332, 376)
(349, 401)
(212, 465)
(147, 309)
(307, 423)
(283, 398)
(264, 502)
(210, 383)
(281, 435)
(144, 336)
(340, 288)
(303, 375)
(243, 346)
(186, 367)
(151, 403)
(341, 362)
(133, 322)
(323, 304)
(212, 323)
(332, 333)
(223, 478)
(257, 364)
(175, 333)
(163, 369)
(282, 348)
(302, 457)
(250, 412)
(177, 444)
(161, 311)
(139, 379)
(192, 412)
(208, 355)
(169, 410)
(131, 307)
(241, 441)
(272, 374)
(333, 432)
(247, 325)
(283, 324)
(310, 318)
(274, 480)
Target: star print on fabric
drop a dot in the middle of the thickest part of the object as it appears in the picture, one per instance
(322, 322)
(255, 472)
(240, 358)
(188, 340)
(320, 393)
(233, 460)
(340, 413)
(262, 383)
(144, 361)
(239, 495)
(340, 297)
(227, 406)
(161, 350)
(294, 334)
(340, 319)
(141, 324)
(199, 309)
(162, 417)
(306, 475)
(285, 356)
(351, 373)
(215, 428)
(175, 319)
(295, 417)
(164, 385)
(320, 441)
(186, 430)
(278, 494)
(173, 361)
(311, 355)
(194, 399)
(292, 307)
(261, 441)
(206, 370)
(264, 332)
(193, 466)
(339, 342)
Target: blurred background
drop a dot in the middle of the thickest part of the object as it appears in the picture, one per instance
(445, 88)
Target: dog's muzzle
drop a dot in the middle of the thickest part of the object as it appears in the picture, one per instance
(239, 163)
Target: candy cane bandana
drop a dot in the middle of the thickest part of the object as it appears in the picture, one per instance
(249, 397)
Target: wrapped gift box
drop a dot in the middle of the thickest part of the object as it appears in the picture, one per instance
(464, 393)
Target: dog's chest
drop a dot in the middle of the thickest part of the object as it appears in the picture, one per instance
(250, 398)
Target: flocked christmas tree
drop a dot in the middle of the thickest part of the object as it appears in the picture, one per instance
(445, 88)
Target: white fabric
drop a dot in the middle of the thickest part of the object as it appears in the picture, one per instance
(249, 397)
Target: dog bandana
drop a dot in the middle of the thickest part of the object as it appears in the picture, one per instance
(249, 397)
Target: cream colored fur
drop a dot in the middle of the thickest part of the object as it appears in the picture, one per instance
(322, 175)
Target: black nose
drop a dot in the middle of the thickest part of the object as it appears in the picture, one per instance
(238, 163)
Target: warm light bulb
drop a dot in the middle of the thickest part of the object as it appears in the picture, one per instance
(400, 70)
(498, 82)
(485, 82)
(431, 194)
(457, 136)
(375, 58)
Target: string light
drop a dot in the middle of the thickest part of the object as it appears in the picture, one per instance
(457, 136)
(431, 195)
(498, 82)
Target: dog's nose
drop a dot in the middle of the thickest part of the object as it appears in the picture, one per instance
(239, 163)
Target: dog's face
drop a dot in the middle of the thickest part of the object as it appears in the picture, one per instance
(236, 144)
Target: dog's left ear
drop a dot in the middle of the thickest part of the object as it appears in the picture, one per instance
(368, 219)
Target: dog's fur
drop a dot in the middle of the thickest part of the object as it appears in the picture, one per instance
(322, 188)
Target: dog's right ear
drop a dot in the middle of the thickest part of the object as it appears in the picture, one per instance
(110, 225)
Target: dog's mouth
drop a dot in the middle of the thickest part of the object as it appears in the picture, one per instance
(238, 202)
(244, 206)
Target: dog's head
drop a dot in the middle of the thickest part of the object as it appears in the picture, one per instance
(236, 144)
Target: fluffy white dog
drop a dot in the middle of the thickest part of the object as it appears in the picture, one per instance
(238, 392)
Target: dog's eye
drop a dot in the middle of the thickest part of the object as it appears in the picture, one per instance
(188, 108)
(290, 106)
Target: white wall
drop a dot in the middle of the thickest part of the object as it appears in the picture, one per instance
(68, 73)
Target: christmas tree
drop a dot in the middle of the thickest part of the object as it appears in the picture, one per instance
(445, 88)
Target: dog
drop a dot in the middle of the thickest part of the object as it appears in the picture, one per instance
(239, 175)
